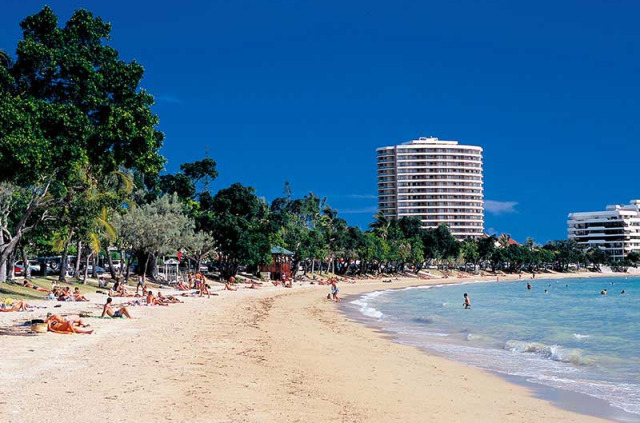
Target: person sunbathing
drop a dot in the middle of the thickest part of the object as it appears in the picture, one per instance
(204, 289)
(253, 285)
(152, 300)
(26, 284)
(10, 305)
(64, 294)
(77, 296)
(58, 324)
(182, 286)
(168, 299)
(228, 287)
(108, 311)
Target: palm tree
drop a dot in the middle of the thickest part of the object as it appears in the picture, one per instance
(380, 225)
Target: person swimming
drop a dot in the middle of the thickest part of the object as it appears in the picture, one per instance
(529, 286)
(603, 292)
(546, 291)
(623, 292)
(467, 302)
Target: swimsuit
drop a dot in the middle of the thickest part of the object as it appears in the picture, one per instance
(117, 314)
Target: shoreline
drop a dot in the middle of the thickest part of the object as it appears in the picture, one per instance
(568, 400)
(268, 355)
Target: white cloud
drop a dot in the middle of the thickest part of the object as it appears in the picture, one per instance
(500, 207)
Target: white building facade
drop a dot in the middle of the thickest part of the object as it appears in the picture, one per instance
(615, 230)
(437, 181)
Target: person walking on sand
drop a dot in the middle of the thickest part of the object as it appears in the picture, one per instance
(467, 302)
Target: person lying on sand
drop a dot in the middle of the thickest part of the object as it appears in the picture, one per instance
(10, 305)
(58, 324)
(108, 311)
(168, 299)
(252, 285)
(74, 319)
(182, 286)
(152, 300)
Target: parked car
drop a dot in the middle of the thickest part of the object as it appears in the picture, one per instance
(99, 270)
(19, 267)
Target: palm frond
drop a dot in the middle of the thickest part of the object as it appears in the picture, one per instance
(108, 228)
(94, 242)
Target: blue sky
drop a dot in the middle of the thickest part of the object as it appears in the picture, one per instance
(306, 91)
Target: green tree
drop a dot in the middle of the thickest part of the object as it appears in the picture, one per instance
(240, 227)
(470, 252)
(71, 112)
(597, 257)
(633, 258)
(380, 225)
(154, 229)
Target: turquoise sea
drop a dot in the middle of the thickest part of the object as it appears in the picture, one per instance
(571, 338)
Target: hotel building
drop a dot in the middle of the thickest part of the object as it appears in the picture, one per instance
(438, 181)
(615, 230)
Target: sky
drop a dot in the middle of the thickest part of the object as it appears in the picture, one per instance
(305, 91)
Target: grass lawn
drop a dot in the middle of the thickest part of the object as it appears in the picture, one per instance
(16, 290)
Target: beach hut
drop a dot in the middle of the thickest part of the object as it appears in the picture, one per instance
(171, 270)
(280, 264)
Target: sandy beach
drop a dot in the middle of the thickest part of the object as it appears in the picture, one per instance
(266, 355)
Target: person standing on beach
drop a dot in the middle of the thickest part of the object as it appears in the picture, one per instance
(140, 284)
(467, 302)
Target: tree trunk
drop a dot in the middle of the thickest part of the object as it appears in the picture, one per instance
(110, 261)
(94, 271)
(153, 266)
(128, 264)
(63, 264)
(27, 269)
(11, 269)
(146, 263)
(86, 269)
(78, 259)
(122, 263)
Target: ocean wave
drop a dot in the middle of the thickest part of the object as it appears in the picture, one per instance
(580, 337)
(366, 310)
(552, 352)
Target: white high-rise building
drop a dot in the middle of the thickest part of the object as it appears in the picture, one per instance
(438, 181)
(615, 230)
